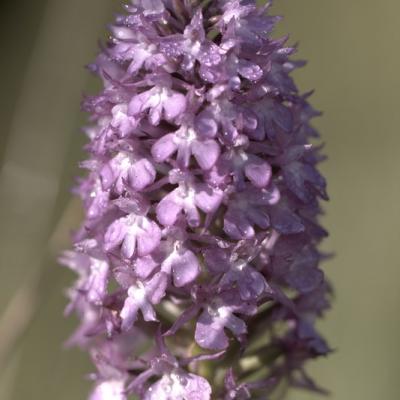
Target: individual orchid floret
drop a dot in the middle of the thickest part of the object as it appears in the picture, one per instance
(173, 258)
(137, 299)
(187, 142)
(192, 45)
(182, 264)
(223, 117)
(137, 49)
(175, 382)
(127, 169)
(240, 165)
(248, 209)
(160, 102)
(134, 233)
(236, 272)
(122, 123)
(198, 270)
(229, 75)
(220, 314)
(250, 24)
(188, 197)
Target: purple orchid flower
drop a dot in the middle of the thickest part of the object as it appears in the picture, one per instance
(217, 316)
(135, 233)
(186, 142)
(201, 209)
(127, 169)
(188, 197)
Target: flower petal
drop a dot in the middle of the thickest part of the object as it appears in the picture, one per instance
(174, 106)
(252, 285)
(237, 226)
(258, 172)
(141, 174)
(148, 312)
(210, 335)
(249, 70)
(205, 125)
(129, 245)
(185, 268)
(128, 314)
(207, 198)
(206, 153)
(156, 287)
(164, 148)
(148, 239)
(236, 325)
(144, 266)
(139, 104)
(115, 234)
(217, 260)
(168, 209)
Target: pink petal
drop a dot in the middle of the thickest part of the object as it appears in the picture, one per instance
(207, 198)
(206, 153)
(258, 172)
(210, 335)
(115, 234)
(156, 287)
(128, 313)
(129, 245)
(142, 174)
(236, 326)
(148, 240)
(250, 70)
(144, 266)
(148, 312)
(139, 103)
(164, 148)
(237, 226)
(205, 125)
(185, 268)
(107, 176)
(168, 209)
(174, 105)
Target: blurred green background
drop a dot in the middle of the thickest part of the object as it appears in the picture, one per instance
(354, 62)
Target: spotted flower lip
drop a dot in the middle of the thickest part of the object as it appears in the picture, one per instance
(201, 199)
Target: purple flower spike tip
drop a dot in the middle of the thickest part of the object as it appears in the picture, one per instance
(199, 247)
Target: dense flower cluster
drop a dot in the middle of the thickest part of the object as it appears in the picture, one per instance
(198, 269)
